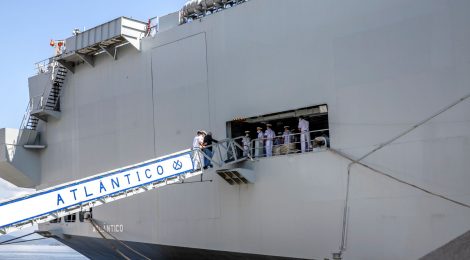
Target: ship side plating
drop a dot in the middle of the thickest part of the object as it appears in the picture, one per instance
(381, 67)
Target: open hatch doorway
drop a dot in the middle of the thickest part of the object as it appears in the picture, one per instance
(316, 116)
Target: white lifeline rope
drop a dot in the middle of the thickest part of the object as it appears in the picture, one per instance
(402, 181)
(358, 161)
(413, 127)
(115, 238)
(111, 244)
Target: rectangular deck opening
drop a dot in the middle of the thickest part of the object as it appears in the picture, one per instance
(316, 138)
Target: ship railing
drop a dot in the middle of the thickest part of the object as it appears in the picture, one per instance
(224, 152)
(152, 26)
(22, 134)
(37, 102)
(44, 66)
(233, 150)
(159, 172)
(319, 140)
(26, 115)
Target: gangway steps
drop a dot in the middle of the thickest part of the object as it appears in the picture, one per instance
(98, 202)
(81, 195)
(53, 203)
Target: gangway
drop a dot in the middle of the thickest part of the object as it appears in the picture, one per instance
(81, 195)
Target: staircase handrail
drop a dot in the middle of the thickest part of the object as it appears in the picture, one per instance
(225, 151)
(55, 70)
(26, 115)
(58, 201)
(53, 66)
(44, 66)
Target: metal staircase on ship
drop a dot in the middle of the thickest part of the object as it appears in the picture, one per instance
(52, 105)
(47, 104)
(82, 47)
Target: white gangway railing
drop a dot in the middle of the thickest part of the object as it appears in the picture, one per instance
(81, 195)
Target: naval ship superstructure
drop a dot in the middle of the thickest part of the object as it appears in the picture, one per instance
(386, 82)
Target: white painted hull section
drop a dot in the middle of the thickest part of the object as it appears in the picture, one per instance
(380, 66)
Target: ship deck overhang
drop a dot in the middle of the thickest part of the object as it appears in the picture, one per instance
(105, 38)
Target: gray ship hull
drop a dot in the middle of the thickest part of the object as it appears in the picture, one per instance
(381, 67)
(96, 248)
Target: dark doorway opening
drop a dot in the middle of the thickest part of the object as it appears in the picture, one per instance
(317, 116)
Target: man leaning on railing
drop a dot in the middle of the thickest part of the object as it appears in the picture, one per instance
(207, 149)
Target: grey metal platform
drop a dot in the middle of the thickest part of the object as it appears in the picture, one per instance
(105, 38)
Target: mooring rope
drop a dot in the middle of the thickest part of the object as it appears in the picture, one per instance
(6, 241)
(109, 242)
(23, 241)
(122, 243)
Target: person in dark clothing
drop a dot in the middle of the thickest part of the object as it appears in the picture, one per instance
(207, 143)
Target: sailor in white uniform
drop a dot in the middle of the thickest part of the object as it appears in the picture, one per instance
(286, 135)
(269, 135)
(197, 146)
(304, 128)
(259, 142)
(246, 144)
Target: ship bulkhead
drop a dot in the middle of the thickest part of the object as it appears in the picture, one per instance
(374, 69)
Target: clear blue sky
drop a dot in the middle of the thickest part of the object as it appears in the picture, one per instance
(27, 27)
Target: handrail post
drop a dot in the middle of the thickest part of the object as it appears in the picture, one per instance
(220, 155)
(234, 151)
(200, 163)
